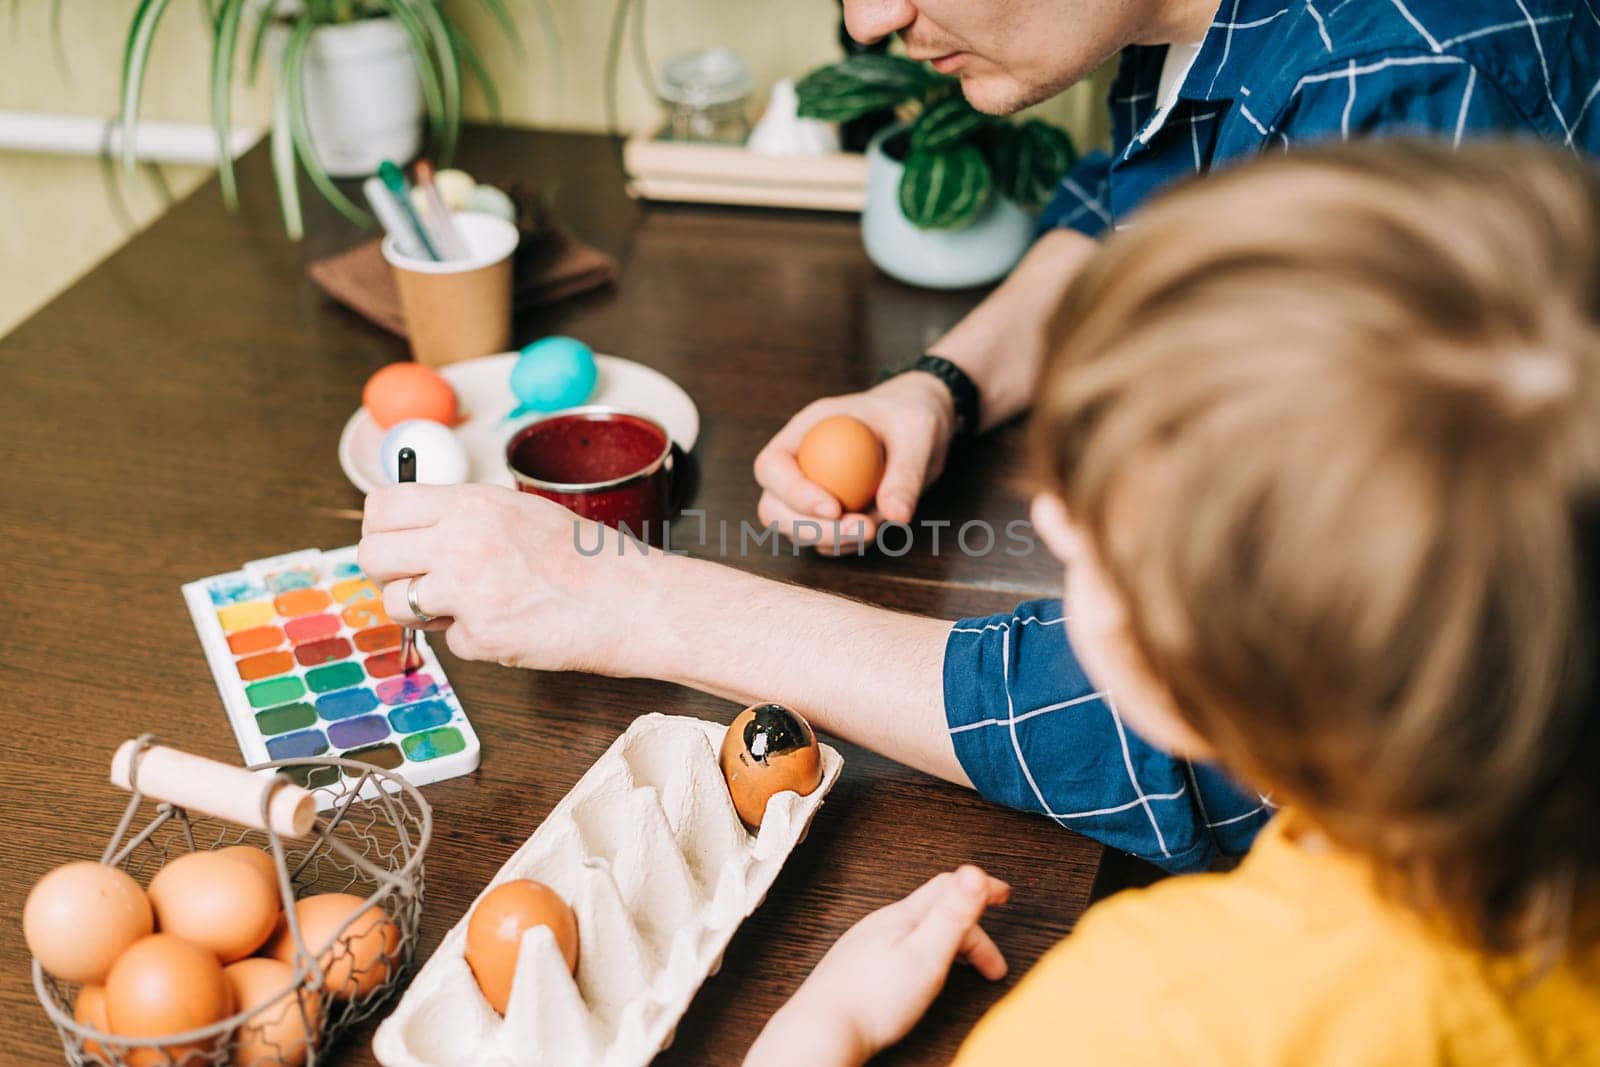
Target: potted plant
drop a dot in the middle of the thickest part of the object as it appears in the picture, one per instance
(951, 192)
(354, 81)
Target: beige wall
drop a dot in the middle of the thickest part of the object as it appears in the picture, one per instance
(57, 219)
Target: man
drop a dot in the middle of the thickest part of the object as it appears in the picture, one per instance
(1000, 703)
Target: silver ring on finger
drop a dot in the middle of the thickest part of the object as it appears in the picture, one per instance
(411, 602)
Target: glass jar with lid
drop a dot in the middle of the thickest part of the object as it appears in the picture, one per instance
(706, 95)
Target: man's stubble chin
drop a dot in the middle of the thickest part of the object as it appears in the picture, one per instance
(995, 95)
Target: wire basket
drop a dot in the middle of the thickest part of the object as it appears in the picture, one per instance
(368, 841)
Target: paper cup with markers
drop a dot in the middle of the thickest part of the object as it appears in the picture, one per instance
(458, 308)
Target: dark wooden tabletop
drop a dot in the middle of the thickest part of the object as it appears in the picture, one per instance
(175, 414)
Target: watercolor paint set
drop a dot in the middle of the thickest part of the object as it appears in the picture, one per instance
(308, 664)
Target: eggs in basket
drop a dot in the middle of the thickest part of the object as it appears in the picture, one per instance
(233, 951)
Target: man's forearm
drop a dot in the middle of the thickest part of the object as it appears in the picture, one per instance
(871, 676)
(1000, 343)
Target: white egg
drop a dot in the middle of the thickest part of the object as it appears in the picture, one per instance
(456, 187)
(441, 457)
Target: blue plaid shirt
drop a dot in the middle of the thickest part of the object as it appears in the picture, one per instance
(1283, 73)
(1028, 726)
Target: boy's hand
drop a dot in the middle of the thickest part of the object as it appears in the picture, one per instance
(878, 979)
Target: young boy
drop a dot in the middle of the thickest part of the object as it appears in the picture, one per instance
(1320, 449)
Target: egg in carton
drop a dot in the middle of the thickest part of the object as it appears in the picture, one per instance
(650, 853)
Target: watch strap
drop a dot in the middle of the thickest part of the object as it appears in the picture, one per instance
(963, 390)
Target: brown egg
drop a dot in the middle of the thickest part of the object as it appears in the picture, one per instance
(216, 902)
(404, 391)
(165, 985)
(257, 859)
(361, 959)
(278, 1034)
(845, 457)
(766, 750)
(494, 933)
(81, 916)
(90, 1011)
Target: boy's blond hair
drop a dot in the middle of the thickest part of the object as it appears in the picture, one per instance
(1356, 392)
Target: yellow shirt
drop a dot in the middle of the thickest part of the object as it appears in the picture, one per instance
(1293, 958)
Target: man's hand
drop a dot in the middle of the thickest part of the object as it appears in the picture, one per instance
(519, 580)
(913, 416)
(1000, 345)
(879, 978)
(502, 574)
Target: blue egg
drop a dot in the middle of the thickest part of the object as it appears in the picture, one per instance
(553, 373)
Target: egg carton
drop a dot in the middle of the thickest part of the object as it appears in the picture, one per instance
(648, 850)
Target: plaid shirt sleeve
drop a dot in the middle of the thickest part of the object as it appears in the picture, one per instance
(1395, 95)
(1032, 733)
(1082, 200)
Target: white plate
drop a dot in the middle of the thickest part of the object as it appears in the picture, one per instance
(483, 388)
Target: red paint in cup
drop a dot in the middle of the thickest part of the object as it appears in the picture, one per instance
(611, 466)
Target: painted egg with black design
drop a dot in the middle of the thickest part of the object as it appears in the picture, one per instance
(768, 749)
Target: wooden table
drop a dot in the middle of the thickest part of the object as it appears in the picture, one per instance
(175, 413)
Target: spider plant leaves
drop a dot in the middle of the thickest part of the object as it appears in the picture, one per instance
(1029, 161)
(474, 63)
(437, 52)
(862, 84)
(945, 123)
(551, 32)
(224, 45)
(258, 41)
(433, 93)
(507, 23)
(944, 190)
(292, 80)
(135, 56)
(282, 149)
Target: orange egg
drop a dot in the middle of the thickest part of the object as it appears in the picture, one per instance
(215, 901)
(494, 933)
(361, 959)
(81, 916)
(257, 859)
(90, 1011)
(845, 457)
(767, 750)
(165, 985)
(278, 1034)
(404, 391)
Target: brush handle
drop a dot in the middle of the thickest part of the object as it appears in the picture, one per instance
(390, 217)
(408, 637)
(214, 788)
(391, 177)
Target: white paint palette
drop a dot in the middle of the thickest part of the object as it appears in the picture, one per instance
(652, 857)
(308, 664)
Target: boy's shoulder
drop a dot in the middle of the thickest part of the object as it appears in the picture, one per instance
(1266, 962)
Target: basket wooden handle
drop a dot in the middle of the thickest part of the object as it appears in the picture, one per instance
(214, 788)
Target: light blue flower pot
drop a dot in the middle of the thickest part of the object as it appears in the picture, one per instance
(979, 253)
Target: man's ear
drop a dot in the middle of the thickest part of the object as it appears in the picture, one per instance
(1055, 526)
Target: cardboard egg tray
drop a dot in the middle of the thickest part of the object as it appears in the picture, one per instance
(648, 850)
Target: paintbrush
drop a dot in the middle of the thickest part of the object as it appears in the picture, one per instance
(396, 183)
(410, 659)
(440, 225)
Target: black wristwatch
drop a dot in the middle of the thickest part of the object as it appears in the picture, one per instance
(963, 390)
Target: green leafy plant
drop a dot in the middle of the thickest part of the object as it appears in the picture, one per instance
(955, 157)
(441, 51)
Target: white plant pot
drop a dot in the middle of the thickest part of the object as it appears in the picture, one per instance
(981, 252)
(363, 97)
